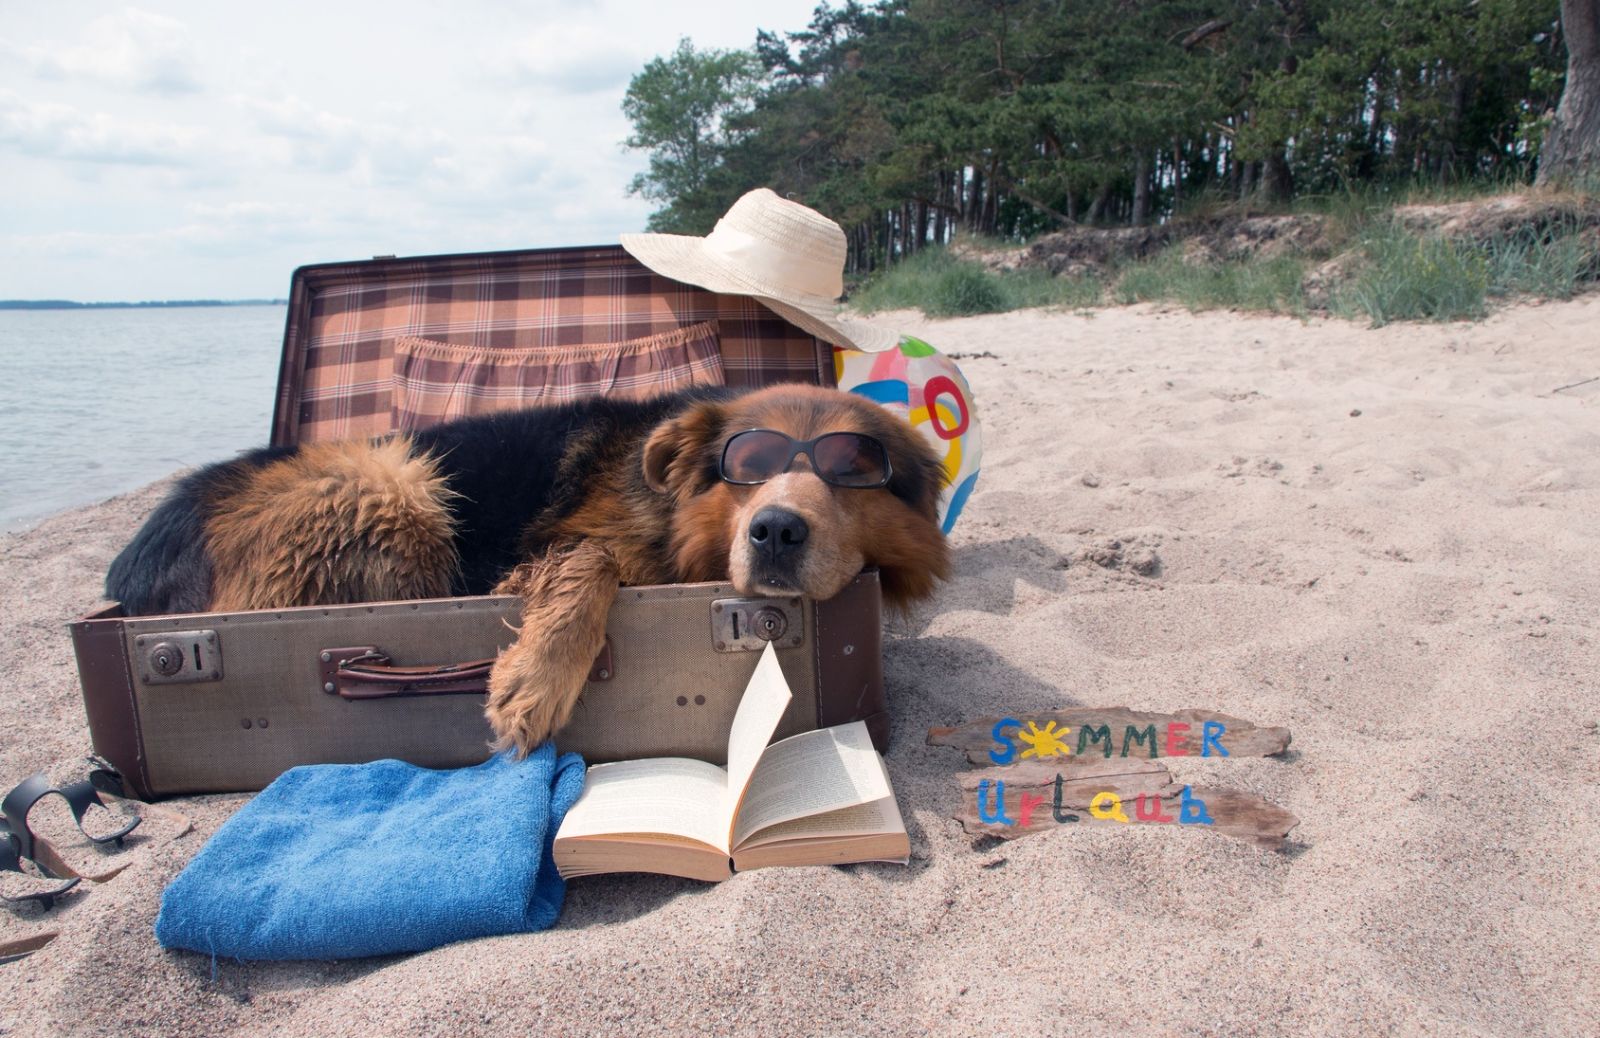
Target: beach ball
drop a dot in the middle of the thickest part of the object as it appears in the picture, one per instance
(925, 388)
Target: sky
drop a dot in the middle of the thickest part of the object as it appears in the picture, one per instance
(187, 150)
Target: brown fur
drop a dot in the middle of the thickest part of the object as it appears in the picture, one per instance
(567, 594)
(371, 520)
(565, 597)
(350, 521)
(851, 528)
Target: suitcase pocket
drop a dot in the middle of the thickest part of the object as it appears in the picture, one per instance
(436, 382)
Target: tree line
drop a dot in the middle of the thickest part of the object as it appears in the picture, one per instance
(907, 120)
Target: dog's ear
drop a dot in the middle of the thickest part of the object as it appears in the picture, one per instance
(912, 556)
(681, 455)
(919, 476)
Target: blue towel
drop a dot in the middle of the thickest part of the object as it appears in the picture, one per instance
(337, 861)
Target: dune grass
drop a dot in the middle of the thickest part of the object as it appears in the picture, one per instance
(1269, 284)
(1552, 265)
(1408, 276)
(1414, 277)
(1393, 273)
(942, 285)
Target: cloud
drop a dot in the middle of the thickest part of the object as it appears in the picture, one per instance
(236, 228)
(211, 148)
(62, 132)
(371, 152)
(573, 58)
(131, 49)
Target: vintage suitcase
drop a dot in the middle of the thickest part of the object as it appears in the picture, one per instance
(220, 702)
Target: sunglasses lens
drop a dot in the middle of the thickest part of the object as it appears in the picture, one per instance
(851, 460)
(755, 456)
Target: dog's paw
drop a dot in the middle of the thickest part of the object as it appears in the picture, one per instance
(519, 580)
(536, 681)
(523, 713)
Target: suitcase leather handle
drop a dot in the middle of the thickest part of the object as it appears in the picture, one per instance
(366, 672)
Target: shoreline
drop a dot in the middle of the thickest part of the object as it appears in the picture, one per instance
(37, 305)
(20, 525)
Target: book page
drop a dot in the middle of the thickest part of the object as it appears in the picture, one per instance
(810, 773)
(765, 699)
(673, 795)
(667, 855)
(880, 816)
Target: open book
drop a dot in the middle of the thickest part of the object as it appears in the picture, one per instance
(818, 798)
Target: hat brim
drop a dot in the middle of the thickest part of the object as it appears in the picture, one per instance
(829, 327)
(686, 258)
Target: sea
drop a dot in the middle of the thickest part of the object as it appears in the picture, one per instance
(94, 403)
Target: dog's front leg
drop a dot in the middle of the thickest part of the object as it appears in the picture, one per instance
(537, 679)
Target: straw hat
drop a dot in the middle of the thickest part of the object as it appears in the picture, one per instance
(789, 257)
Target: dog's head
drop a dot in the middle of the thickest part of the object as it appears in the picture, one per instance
(756, 506)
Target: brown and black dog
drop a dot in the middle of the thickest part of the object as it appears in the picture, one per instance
(560, 505)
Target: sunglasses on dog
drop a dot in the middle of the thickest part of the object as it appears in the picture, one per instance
(844, 459)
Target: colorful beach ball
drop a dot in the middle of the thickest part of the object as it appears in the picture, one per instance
(926, 388)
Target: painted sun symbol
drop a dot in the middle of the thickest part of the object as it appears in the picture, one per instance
(1044, 742)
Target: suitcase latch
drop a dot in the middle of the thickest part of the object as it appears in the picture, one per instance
(178, 657)
(748, 624)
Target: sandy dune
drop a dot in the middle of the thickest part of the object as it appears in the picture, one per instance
(1385, 540)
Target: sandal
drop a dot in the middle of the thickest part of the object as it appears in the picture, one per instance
(11, 858)
(80, 797)
(103, 778)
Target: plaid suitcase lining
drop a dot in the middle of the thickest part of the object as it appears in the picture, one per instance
(435, 382)
(344, 320)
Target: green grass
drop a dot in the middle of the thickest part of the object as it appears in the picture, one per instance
(940, 285)
(1550, 265)
(1411, 277)
(1358, 209)
(1259, 284)
(1398, 275)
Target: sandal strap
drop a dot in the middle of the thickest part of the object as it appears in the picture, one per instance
(10, 849)
(11, 861)
(16, 806)
(105, 777)
(80, 796)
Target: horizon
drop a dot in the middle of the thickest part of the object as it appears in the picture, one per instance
(176, 150)
(133, 304)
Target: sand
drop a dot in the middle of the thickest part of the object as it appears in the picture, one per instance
(1383, 539)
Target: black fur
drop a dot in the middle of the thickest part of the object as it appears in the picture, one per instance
(510, 469)
(515, 473)
(165, 568)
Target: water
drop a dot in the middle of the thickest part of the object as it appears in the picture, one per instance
(97, 402)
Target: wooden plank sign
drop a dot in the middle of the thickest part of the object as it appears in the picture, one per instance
(1037, 796)
(1109, 732)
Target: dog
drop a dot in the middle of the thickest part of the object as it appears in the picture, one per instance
(789, 489)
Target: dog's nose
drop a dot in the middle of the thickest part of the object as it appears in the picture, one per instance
(775, 532)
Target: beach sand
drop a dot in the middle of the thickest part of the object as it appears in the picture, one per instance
(1385, 540)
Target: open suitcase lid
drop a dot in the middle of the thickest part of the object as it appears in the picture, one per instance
(335, 379)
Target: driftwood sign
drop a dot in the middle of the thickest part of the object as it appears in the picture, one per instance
(1037, 796)
(1100, 766)
(1109, 732)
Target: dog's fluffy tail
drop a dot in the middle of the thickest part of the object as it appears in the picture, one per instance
(165, 568)
(348, 521)
(353, 521)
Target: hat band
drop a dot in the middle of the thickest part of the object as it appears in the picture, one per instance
(764, 261)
